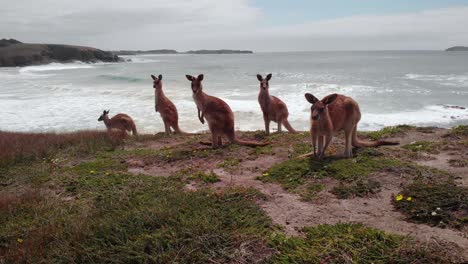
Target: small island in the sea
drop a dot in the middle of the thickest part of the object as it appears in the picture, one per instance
(15, 53)
(170, 51)
(138, 52)
(221, 51)
(457, 48)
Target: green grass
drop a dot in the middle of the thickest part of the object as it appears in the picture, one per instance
(388, 132)
(84, 207)
(461, 130)
(458, 163)
(132, 219)
(309, 191)
(439, 204)
(351, 243)
(424, 146)
(204, 177)
(359, 188)
(295, 172)
(230, 163)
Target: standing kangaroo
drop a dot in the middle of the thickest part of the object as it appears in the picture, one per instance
(332, 114)
(165, 107)
(120, 121)
(272, 107)
(218, 114)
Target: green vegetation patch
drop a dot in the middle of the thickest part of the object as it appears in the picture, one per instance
(210, 177)
(424, 146)
(359, 188)
(295, 172)
(391, 131)
(461, 130)
(309, 191)
(133, 219)
(230, 163)
(439, 204)
(458, 163)
(352, 243)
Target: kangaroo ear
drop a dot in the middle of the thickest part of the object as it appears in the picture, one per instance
(268, 77)
(259, 77)
(108, 111)
(200, 77)
(154, 77)
(312, 99)
(189, 77)
(329, 99)
(160, 77)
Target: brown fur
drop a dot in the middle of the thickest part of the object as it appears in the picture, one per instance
(218, 114)
(332, 114)
(121, 122)
(272, 107)
(165, 107)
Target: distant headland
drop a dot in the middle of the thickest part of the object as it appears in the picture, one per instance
(170, 51)
(15, 53)
(457, 48)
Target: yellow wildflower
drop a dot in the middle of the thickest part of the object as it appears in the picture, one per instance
(409, 199)
(20, 240)
(265, 174)
(92, 172)
(399, 197)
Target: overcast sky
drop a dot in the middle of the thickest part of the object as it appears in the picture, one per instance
(260, 25)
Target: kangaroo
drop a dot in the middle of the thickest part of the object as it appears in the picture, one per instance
(120, 121)
(218, 114)
(165, 107)
(332, 114)
(272, 107)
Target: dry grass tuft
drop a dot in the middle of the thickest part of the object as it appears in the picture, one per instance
(19, 147)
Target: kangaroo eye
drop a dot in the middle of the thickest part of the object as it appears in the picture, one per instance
(321, 110)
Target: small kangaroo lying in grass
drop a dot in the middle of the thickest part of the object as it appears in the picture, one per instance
(218, 114)
(272, 107)
(120, 121)
(332, 114)
(165, 107)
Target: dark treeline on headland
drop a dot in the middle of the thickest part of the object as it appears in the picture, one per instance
(15, 53)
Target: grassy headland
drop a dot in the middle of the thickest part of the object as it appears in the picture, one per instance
(95, 197)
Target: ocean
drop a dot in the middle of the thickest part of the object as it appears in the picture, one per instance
(392, 87)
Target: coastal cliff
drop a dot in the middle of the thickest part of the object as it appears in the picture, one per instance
(15, 53)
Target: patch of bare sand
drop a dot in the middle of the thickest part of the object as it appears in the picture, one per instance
(288, 210)
(449, 149)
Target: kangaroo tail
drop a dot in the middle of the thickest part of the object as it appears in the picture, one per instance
(134, 130)
(359, 143)
(249, 143)
(179, 131)
(288, 126)
(233, 138)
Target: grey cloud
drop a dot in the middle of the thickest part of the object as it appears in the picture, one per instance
(183, 25)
